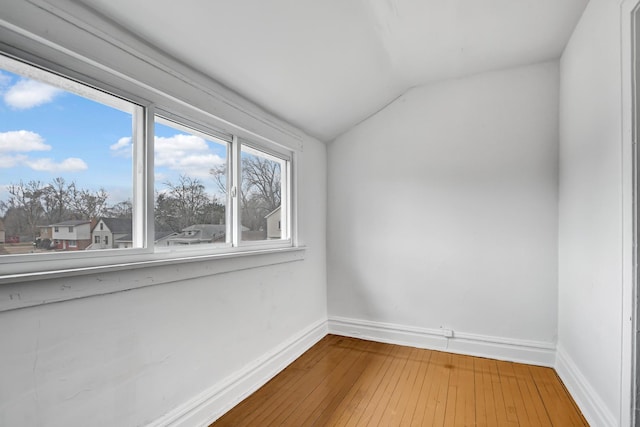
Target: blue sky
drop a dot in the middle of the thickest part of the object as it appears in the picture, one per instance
(46, 133)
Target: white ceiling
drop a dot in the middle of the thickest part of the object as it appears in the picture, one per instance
(325, 65)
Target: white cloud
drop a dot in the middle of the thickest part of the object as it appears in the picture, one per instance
(71, 164)
(11, 161)
(123, 147)
(186, 153)
(168, 150)
(26, 141)
(22, 141)
(30, 93)
(159, 176)
(198, 165)
(5, 79)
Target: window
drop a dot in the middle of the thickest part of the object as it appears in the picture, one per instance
(75, 156)
(63, 149)
(190, 185)
(261, 194)
(196, 182)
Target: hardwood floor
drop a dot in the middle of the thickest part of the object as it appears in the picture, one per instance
(348, 382)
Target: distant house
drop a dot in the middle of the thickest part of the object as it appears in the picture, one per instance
(2, 233)
(116, 233)
(44, 238)
(199, 233)
(161, 238)
(71, 235)
(274, 226)
(107, 231)
(45, 232)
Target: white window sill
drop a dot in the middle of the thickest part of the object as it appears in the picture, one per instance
(45, 287)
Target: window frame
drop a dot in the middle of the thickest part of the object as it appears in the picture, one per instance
(176, 122)
(23, 267)
(285, 182)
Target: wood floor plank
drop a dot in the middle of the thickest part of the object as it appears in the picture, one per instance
(416, 388)
(501, 398)
(516, 406)
(556, 399)
(297, 394)
(350, 382)
(454, 394)
(428, 397)
(350, 400)
(330, 388)
(480, 392)
(533, 402)
(443, 390)
(467, 385)
(398, 404)
(275, 402)
(386, 399)
(247, 410)
(322, 416)
(366, 386)
(485, 411)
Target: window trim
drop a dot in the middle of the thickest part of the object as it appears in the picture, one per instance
(31, 50)
(69, 284)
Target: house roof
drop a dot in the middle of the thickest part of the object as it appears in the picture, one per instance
(273, 212)
(204, 231)
(325, 66)
(117, 225)
(71, 222)
(157, 236)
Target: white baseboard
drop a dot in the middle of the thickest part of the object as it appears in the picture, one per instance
(214, 402)
(523, 351)
(587, 398)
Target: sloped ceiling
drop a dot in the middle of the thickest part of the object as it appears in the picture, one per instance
(326, 65)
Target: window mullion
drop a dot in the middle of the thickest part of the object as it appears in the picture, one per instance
(234, 189)
(285, 200)
(144, 224)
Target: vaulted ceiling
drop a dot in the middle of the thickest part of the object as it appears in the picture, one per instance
(325, 65)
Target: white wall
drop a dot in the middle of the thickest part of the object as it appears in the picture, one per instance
(128, 358)
(165, 352)
(443, 212)
(591, 213)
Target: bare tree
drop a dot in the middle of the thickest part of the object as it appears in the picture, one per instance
(57, 200)
(26, 200)
(260, 189)
(88, 204)
(186, 203)
(122, 209)
(261, 179)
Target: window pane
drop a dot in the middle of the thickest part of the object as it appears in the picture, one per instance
(65, 162)
(190, 187)
(261, 195)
